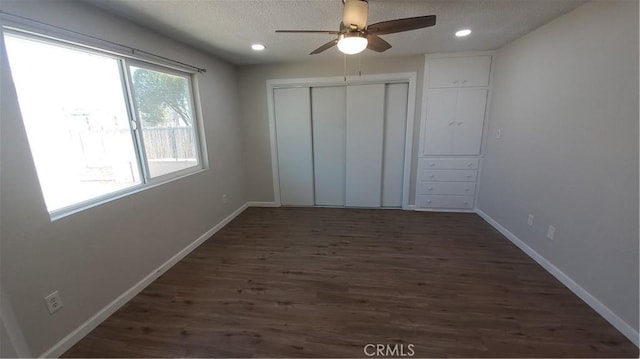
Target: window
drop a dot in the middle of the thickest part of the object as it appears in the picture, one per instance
(163, 104)
(100, 125)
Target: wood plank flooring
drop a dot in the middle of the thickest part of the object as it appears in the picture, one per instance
(320, 282)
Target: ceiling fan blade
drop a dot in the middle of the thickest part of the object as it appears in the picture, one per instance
(400, 25)
(309, 32)
(326, 46)
(376, 43)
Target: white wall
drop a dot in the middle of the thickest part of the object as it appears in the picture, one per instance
(255, 118)
(6, 345)
(566, 100)
(94, 256)
(12, 342)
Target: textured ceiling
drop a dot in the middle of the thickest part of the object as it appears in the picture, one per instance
(227, 28)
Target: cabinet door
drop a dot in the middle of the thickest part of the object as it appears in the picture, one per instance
(474, 71)
(293, 130)
(441, 111)
(329, 111)
(443, 72)
(467, 130)
(365, 126)
(459, 71)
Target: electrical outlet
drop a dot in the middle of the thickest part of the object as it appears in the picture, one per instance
(530, 220)
(551, 232)
(54, 303)
(225, 199)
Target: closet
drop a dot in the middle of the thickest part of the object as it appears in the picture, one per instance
(341, 145)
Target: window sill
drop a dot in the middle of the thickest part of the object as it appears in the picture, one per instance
(98, 201)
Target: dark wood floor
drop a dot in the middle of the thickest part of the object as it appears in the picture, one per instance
(301, 282)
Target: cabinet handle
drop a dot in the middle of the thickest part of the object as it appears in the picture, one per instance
(455, 81)
(431, 176)
(464, 81)
(460, 123)
(430, 188)
(451, 123)
(468, 176)
(470, 164)
(467, 189)
(432, 165)
(429, 201)
(466, 202)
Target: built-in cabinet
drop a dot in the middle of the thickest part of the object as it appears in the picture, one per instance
(455, 102)
(341, 145)
(454, 121)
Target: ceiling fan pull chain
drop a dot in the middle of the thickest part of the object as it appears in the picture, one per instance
(360, 65)
(345, 67)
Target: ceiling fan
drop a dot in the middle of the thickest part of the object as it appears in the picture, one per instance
(355, 36)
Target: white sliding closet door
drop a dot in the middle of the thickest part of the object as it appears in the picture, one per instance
(395, 124)
(328, 117)
(292, 107)
(365, 131)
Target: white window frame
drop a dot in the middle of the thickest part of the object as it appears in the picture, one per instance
(127, 63)
(124, 63)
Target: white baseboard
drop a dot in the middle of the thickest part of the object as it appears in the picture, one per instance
(444, 210)
(86, 327)
(263, 204)
(582, 293)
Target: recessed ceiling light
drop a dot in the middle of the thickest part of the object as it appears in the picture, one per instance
(463, 33)
(257, 47)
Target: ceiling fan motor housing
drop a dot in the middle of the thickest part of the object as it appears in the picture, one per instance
(355, 13)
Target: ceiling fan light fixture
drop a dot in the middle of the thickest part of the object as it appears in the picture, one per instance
(463, 32)
(352, 43)
(257, 47)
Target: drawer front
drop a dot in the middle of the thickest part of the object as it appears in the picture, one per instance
(449, 175)
(435, 201)
(449, 163)
(451, 188)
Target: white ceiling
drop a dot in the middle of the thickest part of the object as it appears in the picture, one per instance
(227, 28)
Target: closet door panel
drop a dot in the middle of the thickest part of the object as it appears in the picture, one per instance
(292, 109)
(470, 110)
(441, 109)
(395, 123)
(328, 118)
(365, 127)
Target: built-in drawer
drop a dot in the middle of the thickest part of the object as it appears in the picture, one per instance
(449, 175)
(435, 201)
(449, 163)
(451, 188)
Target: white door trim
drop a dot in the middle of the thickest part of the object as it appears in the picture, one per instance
(410, 77)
